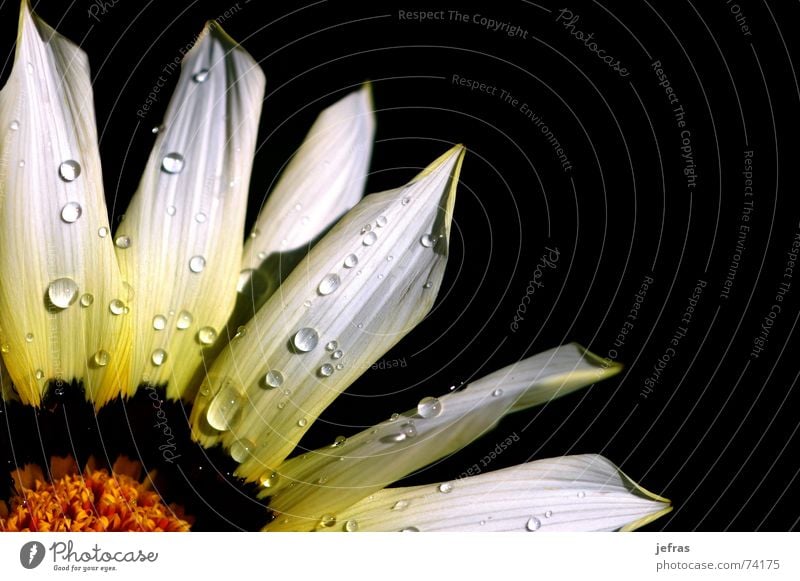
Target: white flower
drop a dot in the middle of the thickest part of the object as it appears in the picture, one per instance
(155, 302)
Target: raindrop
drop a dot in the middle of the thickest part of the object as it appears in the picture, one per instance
(366, 228)
(184, 320)
(497, 392)
(206, 336)
(409, 429)
(123, 242)
(327, 521)
(581, 494)
(197, 264)
(328, 284)
(350, 260)
(159, 322)
(101, 358)
(200, 76)
(339, 442)
(533, 524)
(332, 346)
(548, 514)
(62, 292)
(274, 378)
(381, 221)
(400, 505)
(155, 130)
(281, 405)
(171, 210)
(262, 255)
(29, 338)
(326, 370)
(394, 417)
(307, 303)
(305, 339)
(71, 212)
(69, 170)
(340, 366)
(225, 406)
(406, 201)
(302, 422)
(298, 207)
(5, 348)
(39, 374)
(427, 240)
(117, 307)
(446, 487)
(172, 163)
(14, 125)
(200, 217)
(87, 300)
(427, 285)
(269, 480)
(409, 530)
(389, 258)
(241, 449)
(337, 354)
(102, 232)
(369, 239)
(158, 357)
(351, 526)
(429, 407)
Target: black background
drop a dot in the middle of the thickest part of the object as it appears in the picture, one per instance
(717, 435)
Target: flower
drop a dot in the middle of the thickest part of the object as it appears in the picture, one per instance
(261, 338)
(92, 500)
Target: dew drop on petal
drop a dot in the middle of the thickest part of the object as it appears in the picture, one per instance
(331, 346)
(69, 170)
(273, 378)
(270, 479)
(184, 320)
(327, 521)
(159, 322)
(405, 201)
(351, 526)
(302, 422)
(200, 76)
(241, 449)
(328, 284)
(29, 338)
(400, 505)
(427, 285)
(337, 354)
(207, 336)
(200, 217)
(581, 494)
(102, 232)
(429, 407)
(158, 357)
(62, 292)
(224, 408)
(171, 210)
(339, 366)
(101, 358)
(533, 524)
(366, 228)
(446, 487)
(409, 530)
(117, 307)
(197, 264)
(39, 374)
(326, 370)
(71, 212)
(305, 339)
(14, 125)
(172, 163)
(87, 300)
(497, 392)
(369, 239)
(409, 429)
(307, 303)
(339, 442)
(350, 261)
(427, 240)
(381, 221)
(548, 514)
(123, 242)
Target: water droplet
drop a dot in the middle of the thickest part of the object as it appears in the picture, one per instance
(87, 300)
(394, 417)
(197, 264)
(159, 322)
(331, 346)
(14, 125)
(369, 239)
(339, 442)
(155, 130)
(427, 285)
(380, 276)
(171, 210)
(101, 358)
(172, 163)
(184, 320)
(305, 339)
(328, 284)
(262, 255)
(273, 378)
(409, 429)
(102, 232)
(5, 348)
(409, 530)
(351, 526)
(360, 325)
(340, 366)
(200, 76)
(483, 522)
(117, 307)
(497, 392)
(400, 505)
(39, 374)
(123, 242)
(281, 405)
(427, 240)
(533, 524)
(429, 407)
(366, 228)
(446, 487)
(200, 217)
(548, 514)
(158, 357)
(405, 201)
(207, 336)
(71, 212)
(581, 494)
(326, 370)
(327, 521)
(270, 480)
(307, 303)
(381, 221)
(241, 449)
(350, 260)
(337, 354)
(62, 292)
(29, 338)
(389, 258)
(69, 170)
(302, 422)
(225, 406)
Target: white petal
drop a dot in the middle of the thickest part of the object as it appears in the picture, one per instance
(59, 271)
(323, 180)
(365, 309)
(571, 493)
(180, 242)
(330, 479)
